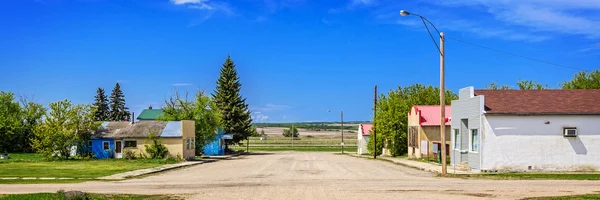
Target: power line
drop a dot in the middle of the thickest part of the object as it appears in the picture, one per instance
(514, 54)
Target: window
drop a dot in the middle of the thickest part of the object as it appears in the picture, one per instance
(131, 143)
(105, 145)
(474, 140)
(456, 139)
(187, 143)
(193, 143)
(570, 132)
(413, 136)
(89, 143)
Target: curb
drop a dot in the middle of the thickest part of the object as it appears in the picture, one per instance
(109, 178)
(383, 158)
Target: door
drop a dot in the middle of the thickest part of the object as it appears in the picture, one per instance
(118, 149)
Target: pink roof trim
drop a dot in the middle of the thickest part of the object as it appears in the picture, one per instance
(430, 115)
(365, 128)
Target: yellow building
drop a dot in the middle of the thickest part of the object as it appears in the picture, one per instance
(424, 131)
(116, 139)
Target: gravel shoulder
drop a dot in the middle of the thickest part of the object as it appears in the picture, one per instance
(311, 175)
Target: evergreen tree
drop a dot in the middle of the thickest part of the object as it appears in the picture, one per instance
(118, 111)
(234, 110)
(101, 106)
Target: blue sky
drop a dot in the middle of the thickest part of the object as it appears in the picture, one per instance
(296, 58)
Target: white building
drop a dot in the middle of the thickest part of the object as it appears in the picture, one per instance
(363, 138)
(526, 130)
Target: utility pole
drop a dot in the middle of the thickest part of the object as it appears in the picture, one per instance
(292, 131)
(442, 105)
(374, 125)
(342, 115)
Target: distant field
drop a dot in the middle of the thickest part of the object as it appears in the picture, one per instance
(303, 143)
(314, 126)
(329, 133)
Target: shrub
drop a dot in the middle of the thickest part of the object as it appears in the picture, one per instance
(156, 149)
(288, 133)
(129, 154)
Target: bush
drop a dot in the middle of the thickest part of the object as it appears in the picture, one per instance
(288, 133)
(156, 149)
(129, 154)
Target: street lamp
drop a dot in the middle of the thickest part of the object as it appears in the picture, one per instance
(342, 120)
(442, 90)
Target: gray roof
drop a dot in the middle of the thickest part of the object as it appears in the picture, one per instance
(140, 129)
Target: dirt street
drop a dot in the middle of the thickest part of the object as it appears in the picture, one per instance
(291, 175)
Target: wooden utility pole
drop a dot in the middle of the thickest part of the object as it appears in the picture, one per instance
(374, 125)
(442, 105)
(342, 117)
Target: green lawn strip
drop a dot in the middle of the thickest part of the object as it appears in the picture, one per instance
(74, 168)
(574, 197)
(534, 176)
(41, 181)
(303, 149)
(54, 196)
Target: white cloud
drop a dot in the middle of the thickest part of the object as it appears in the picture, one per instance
(363, 2)
(572, 17)
(208, 8)
(259, 118)
(181, 2)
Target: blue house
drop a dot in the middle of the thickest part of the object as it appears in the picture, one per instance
(105, 147)
(217, 146)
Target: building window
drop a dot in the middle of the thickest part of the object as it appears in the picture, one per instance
(413, 136)
(456, 139)
(187, 143)
(105, 145)
(474, 140)
(130, 143)
(193, 143)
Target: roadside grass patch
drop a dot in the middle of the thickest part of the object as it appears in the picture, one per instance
(532, 176)
(574, 197)
(34, 165)
(80, 195)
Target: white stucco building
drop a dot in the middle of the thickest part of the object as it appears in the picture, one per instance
(363, 138)
(526, 130)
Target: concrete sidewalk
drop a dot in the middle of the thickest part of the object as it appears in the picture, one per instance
(429, 167)
(141, 172)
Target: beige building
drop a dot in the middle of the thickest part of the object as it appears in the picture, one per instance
(116, 139)
(424, 131)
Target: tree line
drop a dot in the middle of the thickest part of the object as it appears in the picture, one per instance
(392, 108)
(27, 126)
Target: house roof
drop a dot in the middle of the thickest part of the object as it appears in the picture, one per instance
(430, 115)
(149, 114)
(139, 129)
(573, 102)
(365, 128)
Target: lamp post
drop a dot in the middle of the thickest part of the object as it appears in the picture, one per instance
(342, 120)
(442, 90)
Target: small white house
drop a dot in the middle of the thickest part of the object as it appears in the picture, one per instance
(526, 130)
(363, 138)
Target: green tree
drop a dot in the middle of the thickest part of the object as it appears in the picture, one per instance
(10, 122)
(379, 144)
(530, 85)
(232, 106)
(65, 126)
(494, 86)
(118, 111)
(391, 121)
(583, 80)
(101, 106)
(203, 111)
(288, 133)
(32, 114)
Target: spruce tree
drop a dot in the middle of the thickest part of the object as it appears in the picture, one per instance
(118, 111)
(235, 114)
(101, 105)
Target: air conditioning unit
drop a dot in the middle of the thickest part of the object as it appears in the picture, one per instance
(570, 132)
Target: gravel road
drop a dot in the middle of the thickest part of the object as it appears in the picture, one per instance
(308, 175)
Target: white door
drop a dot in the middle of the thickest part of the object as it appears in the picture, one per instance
(118, 149)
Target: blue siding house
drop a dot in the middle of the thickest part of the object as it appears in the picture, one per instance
(103, 148)
(217, 146)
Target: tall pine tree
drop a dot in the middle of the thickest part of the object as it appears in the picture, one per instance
(118, 111)
(234, 110)
(101, 105)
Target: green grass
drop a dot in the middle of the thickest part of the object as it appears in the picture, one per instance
(55, 196)
(538, 176)
(303, 149)
(575, 197)
(32, 165)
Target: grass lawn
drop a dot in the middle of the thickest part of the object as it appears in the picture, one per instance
(532, 176)
(54, 196)
(33, 165)
(575, 197)
(304, 149)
